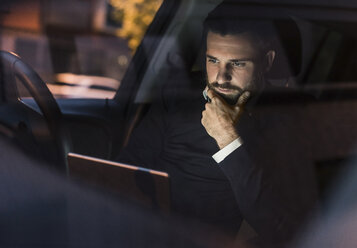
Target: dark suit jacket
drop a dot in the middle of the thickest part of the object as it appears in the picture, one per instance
(266, 181)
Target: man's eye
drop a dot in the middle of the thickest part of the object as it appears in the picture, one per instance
(213, 61)
(238, 64)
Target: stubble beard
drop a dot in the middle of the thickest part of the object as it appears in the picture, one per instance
(253, 86)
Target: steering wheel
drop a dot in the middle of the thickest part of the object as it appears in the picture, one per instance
(13, 67)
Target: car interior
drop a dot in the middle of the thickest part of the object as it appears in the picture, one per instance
(316, 59)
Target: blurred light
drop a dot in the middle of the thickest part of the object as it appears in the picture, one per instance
(122, 60)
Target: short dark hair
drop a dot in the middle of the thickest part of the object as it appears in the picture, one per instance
(223, 20)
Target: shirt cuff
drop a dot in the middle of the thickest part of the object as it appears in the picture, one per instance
(228, 149)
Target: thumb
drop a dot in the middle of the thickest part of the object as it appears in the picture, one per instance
(243, 98)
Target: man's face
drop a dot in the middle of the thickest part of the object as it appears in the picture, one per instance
(232, 65)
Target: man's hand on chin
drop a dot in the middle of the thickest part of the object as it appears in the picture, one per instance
(219, 118)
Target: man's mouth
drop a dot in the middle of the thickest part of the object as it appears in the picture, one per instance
(225, 90)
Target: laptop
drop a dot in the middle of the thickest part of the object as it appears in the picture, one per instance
(136, 184)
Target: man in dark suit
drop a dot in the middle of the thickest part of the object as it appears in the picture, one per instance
(228, 159)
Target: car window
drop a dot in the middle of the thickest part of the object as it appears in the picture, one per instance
(335, 49)
(81, 49)
(305, 120)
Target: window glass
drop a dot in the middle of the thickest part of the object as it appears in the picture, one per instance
(81, 49)
(333, 60)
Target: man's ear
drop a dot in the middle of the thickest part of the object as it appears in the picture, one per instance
(270, 56)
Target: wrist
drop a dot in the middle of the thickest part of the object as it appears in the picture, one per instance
(228, 137)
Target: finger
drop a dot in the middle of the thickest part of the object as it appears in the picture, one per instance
(210, 93)
(204, 93)
(207, 105)
(214, 96)
(243, 98)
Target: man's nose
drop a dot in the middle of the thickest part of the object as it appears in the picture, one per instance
(224, 74)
